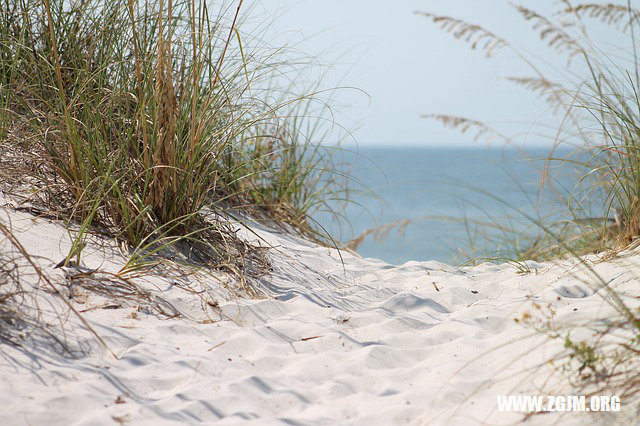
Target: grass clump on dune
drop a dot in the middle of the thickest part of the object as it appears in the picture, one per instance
(136, 116)
(595, 98)
(597, 102)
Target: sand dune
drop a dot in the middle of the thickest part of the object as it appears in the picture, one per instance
(338, 340)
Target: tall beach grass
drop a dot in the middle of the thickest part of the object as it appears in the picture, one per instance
(597, 102)
(595, 97)
(137, 116)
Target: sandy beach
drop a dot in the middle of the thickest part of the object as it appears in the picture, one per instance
(319, 213)
(336, 339)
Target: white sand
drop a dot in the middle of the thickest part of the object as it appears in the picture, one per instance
(359, 342)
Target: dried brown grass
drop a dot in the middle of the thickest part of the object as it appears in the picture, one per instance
(475, 35)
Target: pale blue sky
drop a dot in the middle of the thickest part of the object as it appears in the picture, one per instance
(408, 67)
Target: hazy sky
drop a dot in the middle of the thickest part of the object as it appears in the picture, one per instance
(408, 67)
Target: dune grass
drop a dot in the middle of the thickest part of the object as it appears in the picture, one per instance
(596, 98)
(136, 117)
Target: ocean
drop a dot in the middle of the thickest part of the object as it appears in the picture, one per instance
(456, 203)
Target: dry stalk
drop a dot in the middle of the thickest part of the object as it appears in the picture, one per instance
(553, 35)
(464, 125)
(164, 155)
(608, 13)
(477, 36)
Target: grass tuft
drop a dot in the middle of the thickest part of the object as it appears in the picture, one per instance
(157, 121)
(597, 103)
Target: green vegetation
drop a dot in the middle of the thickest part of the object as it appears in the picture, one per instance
(156, 122)
(596, 100)
(598, 105)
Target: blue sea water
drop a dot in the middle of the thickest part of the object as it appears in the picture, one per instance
(445, 193)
